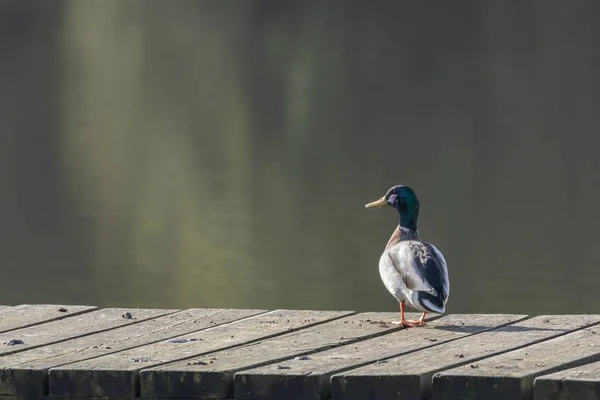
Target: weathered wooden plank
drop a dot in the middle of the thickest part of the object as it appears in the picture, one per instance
(307, 378)
(579, 383)
(211, 376)
(46, 397)
(13, 397)
(25, 315)
(410, 375)
(511, 375)
(116, 375)
(25, 373)
(68, 328)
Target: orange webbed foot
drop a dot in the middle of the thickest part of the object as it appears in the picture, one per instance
(420, 321)
(408, 324)
(415, 323)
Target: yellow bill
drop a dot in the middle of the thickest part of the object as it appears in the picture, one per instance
(378, 203)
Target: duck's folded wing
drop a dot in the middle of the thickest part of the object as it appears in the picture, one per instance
(430, 265)
(410, 272)
(442, 269)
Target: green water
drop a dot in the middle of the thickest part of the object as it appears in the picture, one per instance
(219, 154)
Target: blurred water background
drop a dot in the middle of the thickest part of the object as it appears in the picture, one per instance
(220, 153)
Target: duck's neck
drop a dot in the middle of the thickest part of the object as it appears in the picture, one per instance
(400, 234)
(408, 218)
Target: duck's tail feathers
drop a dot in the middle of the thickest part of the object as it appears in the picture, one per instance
(434, 304)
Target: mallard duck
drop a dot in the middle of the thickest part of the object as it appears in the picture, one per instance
(413, 271)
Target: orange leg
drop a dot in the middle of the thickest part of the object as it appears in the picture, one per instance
(403, 321)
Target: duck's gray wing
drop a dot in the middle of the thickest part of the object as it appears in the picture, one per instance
(402, 258)
(443, 269)
(431, 266)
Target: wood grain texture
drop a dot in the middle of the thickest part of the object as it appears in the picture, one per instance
(25, 373)
(410, 375)
(579, 383)
(309, 377)
(215, 371)
(16, 397)
(511, 375)
(25, 315)
(68, 328)
(116, 375)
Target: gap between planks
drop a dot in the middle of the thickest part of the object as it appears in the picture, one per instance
(215, 370)
(512, 374)
(309, 377)
(56, 331)
(411, 375)
(25, 373)
(119, 371)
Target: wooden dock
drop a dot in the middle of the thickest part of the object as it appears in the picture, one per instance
(80, 352)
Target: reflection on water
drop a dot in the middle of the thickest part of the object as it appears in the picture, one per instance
(220, 154)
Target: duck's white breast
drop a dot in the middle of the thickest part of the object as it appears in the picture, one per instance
(391, 277)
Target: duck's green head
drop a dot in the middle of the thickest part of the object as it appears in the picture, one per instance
(405, 201)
